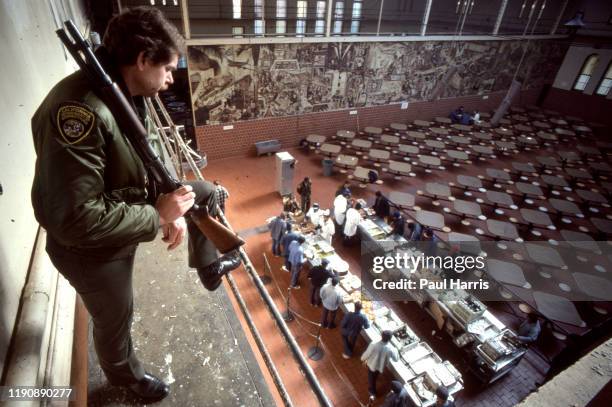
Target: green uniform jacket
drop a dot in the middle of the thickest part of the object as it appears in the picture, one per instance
(89, 189)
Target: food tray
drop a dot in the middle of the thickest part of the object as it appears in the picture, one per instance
(427, 363)
(414, 353)
(424, 390)
(444, 375)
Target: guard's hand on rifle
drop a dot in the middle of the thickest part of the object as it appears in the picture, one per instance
(174, 205)
(174, 232)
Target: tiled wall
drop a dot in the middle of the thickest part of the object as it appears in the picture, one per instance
(239, 141)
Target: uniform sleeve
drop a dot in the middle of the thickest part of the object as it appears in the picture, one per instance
(76, 208)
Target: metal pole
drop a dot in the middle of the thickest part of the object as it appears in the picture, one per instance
(558, 20)
(500, 16)
(260, 344)
(382, 3)
(426, 17)
(288, 315)
(185, 19)
(316, 353)
(533, 6)
(329, 18)
(465, 13)
(295, 348)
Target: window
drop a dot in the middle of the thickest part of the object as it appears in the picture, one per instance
(237, 9)
(354, 26)
(319, 27)
(339, 10)
(606, 83)
(300, 27)
(259, 27)
(237, 31)
(338, 13)
(337, 26)
(302, 11)
(302, 7)
(320, 9)
(258, 8)
(281, 8)
(281, 26)
(586, 72)
(356, 10)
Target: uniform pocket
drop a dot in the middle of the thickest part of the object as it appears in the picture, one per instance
(130, 195)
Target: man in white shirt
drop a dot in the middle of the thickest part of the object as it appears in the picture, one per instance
(315, 215)
(353, 218)
(331, 299)
(327, 228)
(376, 356)
(476, 117)
(340, 204)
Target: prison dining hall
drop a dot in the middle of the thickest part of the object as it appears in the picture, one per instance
(306, 203)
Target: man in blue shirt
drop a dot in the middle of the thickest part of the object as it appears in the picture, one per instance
(296, 259)
(530, 329)
(277, 231)
(285, 242)
(351, 326)
(414, 231)
(431, 249)
(398, 222)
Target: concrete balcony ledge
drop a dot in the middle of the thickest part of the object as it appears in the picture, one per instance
(186, 335)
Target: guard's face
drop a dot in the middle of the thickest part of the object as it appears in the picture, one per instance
(157, 77)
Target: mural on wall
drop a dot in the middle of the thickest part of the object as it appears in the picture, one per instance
(240, 82)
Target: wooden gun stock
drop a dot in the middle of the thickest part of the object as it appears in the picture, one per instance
(223, 238)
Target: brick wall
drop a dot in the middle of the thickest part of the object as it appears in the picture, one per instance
(239, 141)
(590, 107)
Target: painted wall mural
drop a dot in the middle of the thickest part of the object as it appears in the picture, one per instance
(241, 82)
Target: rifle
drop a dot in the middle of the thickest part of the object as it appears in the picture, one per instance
(223, 238)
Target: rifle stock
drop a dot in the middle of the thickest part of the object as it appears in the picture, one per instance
(223, 238)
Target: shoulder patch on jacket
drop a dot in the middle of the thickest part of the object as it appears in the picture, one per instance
(74, 121)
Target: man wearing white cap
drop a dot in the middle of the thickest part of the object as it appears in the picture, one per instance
(340, 205)
(353, 218)
(315, 215)
(327, 227)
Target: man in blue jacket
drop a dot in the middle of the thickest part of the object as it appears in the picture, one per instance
(296, 259)
(285, 242)
(351, 326)
(277, 227)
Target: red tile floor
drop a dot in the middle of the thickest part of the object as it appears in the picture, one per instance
(253, 199)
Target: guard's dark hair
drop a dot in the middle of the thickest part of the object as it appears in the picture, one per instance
(358, 306)
(386, 336)
(142, 29)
